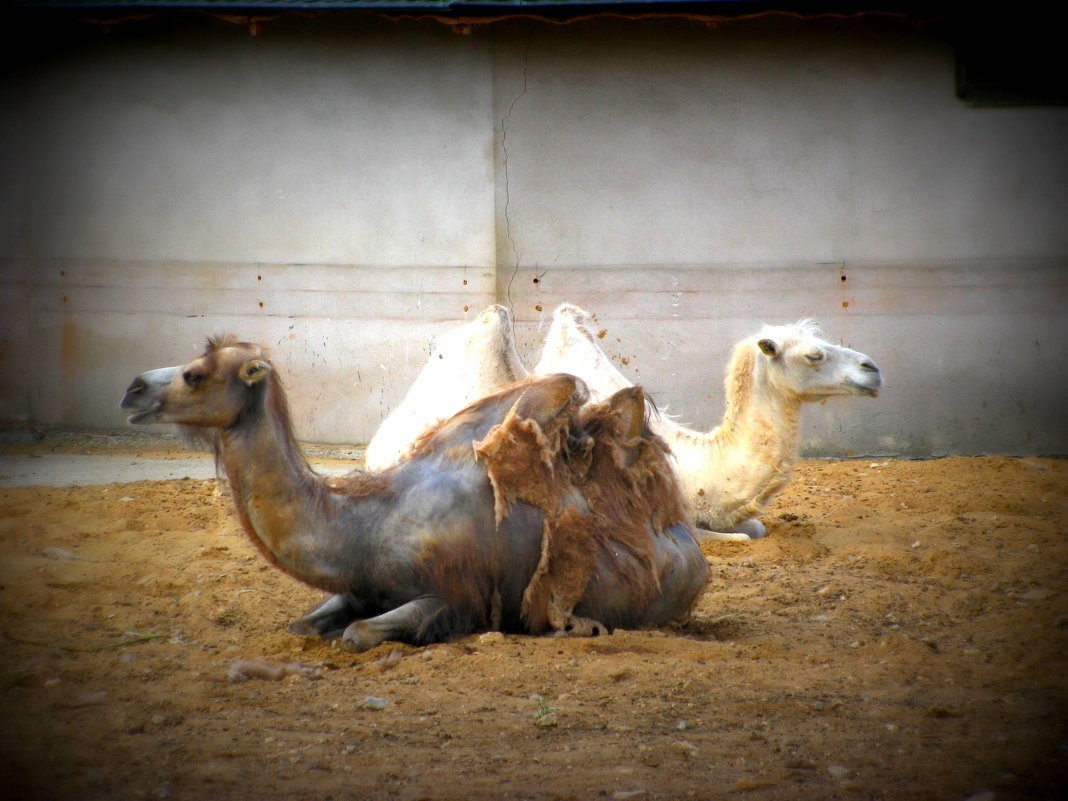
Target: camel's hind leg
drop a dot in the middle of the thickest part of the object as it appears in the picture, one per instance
(413, 622)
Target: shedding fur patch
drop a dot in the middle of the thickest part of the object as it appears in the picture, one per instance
(568, 555)
(519, 461)
(524, 458)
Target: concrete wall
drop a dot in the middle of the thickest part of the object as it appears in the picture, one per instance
(345, 189)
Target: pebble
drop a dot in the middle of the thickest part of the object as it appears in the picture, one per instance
(837, 771)
(1039, 594)
(59, 553)
(687, 748)
(90, 699)
(390, 660)
(371, 702)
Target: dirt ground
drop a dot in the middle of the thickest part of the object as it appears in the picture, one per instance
(900, 634)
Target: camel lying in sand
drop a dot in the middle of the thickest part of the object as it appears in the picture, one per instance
(732, 473)
(468, 362)
(528, 511)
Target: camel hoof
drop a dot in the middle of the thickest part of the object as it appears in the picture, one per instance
(753, 528)
(303, 627)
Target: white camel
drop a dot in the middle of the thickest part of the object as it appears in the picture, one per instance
(469, 362)
(731, 473)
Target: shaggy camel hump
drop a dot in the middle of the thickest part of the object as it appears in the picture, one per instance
(515, 514)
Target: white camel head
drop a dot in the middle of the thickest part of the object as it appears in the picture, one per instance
(799, 362)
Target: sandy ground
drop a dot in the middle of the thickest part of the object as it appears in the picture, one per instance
(901, 634)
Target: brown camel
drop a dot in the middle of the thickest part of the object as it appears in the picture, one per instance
(525, 512)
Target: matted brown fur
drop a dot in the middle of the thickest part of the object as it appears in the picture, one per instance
(523, 463)
(568, 555)
(630, 477)
(607, 455)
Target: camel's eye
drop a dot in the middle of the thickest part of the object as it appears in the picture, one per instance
(815, 357)
(192, 379)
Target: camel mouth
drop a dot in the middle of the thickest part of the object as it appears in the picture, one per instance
(144, 416)
(871, 392)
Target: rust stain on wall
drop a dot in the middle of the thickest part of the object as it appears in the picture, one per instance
(69, 347)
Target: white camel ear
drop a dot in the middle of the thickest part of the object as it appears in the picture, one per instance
(768, 347)
(253, 372)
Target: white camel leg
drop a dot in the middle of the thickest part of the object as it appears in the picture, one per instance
(704, 535)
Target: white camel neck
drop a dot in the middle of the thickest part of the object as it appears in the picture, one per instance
(732, 472)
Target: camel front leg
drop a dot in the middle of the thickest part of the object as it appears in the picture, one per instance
(413, 623)
(747, 530)
(329, 618)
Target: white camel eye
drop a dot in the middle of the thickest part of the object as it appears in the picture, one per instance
(815, 357)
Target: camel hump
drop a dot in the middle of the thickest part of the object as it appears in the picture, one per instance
(549, 398)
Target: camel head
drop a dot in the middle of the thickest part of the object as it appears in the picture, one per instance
(800, 363)
(212, 391)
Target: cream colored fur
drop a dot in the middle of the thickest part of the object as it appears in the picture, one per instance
(468, 363)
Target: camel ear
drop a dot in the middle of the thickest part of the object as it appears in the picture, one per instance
(768, 347)
(253, 372)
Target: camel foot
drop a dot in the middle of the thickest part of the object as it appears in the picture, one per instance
(412, 623)
(328, 618)
(359, 637)
(753, 527)
(575, 626)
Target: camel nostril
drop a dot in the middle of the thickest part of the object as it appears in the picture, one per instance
(137, 386)
(869, 365)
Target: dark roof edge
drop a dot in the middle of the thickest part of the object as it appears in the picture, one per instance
(479, 8)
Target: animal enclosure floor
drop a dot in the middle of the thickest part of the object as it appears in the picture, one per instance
(902, 633)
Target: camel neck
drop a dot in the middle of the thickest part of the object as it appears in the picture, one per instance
(758, 418)
(281, 502)
(732, 472)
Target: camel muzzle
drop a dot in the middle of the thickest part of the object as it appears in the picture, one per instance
(144, 397)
